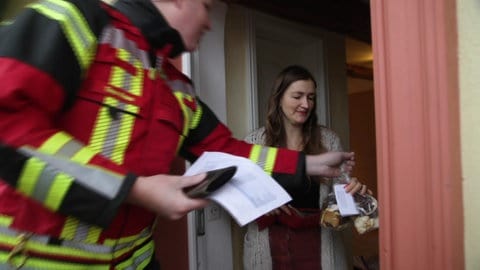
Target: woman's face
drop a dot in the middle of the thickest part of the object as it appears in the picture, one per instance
(297, 102)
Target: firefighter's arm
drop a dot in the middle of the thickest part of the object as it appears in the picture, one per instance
(85, 190)
(287, 167)
(330, 164)
(44, 54)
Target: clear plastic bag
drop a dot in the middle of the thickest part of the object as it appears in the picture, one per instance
(364, 222)
(367, 220)
(330, 214)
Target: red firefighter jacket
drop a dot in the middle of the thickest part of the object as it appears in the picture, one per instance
(88, 101)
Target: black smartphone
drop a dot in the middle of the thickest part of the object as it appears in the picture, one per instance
(213, 181)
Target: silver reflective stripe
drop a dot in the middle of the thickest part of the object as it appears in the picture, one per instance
(116, 38)
(262, 159)
(140, 259)
(115, 127)
(104, 249)
(70, 149)
(81, 233)
(84, 37)
(102, 182)
(45, 181)
(113, 130)
(87, 247)
(184, 87)
(74, 25)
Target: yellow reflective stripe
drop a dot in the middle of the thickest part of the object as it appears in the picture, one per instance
(255, 153)
(93, 234)
(111, 137)
(264, 156)
(100, 130)
(187, 112)
(57, 250)
(120, 76)
(124, 134)
(191, 118)
(196, 117)
(33, 263)
(70, 228)
(136, 81)
(76, 28)
(117, 75)
(128, 121)
(270, 159)
(127, 239)
(126, 244)
(30, 174)
(5, 221)
(84, 155)
(139, 259)
(118, 93)
(81, 250)
(58, 190)
(55, 142)
(62, 182)
(34, 167)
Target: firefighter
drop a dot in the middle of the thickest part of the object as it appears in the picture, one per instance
(92, 114)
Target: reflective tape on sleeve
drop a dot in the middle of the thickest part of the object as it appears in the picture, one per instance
(76, 29)
(102, 182)
(264, 157)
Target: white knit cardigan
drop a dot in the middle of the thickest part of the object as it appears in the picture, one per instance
(335, 246)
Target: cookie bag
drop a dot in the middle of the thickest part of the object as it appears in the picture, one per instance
(365, 221)
(330, 214)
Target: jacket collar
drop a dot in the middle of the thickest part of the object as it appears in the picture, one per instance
(153, 25)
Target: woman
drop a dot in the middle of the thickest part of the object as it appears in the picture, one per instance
(292, 123)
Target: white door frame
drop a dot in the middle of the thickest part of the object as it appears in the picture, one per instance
(209, 227)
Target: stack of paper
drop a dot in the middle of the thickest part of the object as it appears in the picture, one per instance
(250, 194)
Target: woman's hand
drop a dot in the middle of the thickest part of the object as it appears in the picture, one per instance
(330, 164)
(356, 187)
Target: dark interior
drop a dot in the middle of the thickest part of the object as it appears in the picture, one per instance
(348, 17)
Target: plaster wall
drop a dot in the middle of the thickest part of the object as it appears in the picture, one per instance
(469, 67)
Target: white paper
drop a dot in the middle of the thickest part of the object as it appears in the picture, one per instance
(251, 192)
(345, 201)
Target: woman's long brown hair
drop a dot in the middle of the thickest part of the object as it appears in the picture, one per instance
(274, 128)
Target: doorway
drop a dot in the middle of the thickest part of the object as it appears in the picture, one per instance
(258, 54)
(359, 59)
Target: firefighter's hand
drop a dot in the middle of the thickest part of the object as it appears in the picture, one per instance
(164, 195)
(330, 164)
